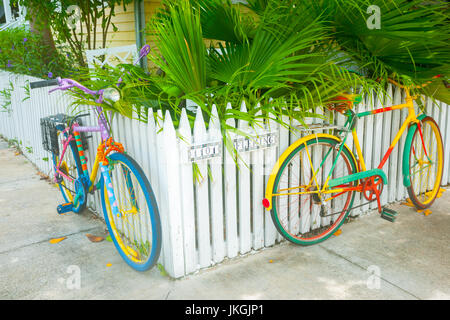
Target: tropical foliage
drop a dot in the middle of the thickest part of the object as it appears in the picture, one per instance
(411, 44)
(284, 57)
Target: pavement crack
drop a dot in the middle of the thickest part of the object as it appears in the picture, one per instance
(46, 240)
(365, 269)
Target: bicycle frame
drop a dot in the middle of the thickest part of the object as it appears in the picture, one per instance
(103, 128)
(411, 118)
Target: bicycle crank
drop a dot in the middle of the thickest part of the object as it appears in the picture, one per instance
(372, 189)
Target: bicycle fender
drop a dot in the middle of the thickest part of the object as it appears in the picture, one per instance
(407, 150)
(267, 202)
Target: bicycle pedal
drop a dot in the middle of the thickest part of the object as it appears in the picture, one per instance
(64, 208)
(389, 214)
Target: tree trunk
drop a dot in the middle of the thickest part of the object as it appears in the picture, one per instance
(39, 25)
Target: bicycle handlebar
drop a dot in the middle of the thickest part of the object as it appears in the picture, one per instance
(412, 87)
(44, 83)
(66, 84)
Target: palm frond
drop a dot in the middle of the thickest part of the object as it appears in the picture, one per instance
(180, 45)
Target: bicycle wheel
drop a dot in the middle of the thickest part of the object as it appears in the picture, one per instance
(301, 213)
(136, 233)
(426, 162)
(72, 170)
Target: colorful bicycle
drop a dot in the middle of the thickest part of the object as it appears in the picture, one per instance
(312, 187)
(128, 202)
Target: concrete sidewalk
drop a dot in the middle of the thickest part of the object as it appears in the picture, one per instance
(371, 259)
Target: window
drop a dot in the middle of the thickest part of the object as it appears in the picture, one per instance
(10, 12)
(15, 11)
(2, 13)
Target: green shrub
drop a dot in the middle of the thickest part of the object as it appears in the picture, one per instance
(21, 52)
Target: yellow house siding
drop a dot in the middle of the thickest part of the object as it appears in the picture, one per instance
(151, 6)
(125, 34)
(124, 21)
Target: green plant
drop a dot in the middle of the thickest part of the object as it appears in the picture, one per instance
(26, 89)
(411, 44)
(281, 58)
(211, 52)
(77, 25)
(5, 94)
(22, 52)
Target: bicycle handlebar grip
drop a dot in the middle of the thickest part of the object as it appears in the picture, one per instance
(45, 83)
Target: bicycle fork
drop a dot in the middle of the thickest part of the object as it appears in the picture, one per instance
(110, 190)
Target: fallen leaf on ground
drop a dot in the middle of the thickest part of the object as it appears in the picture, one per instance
(93, 238)
(338, 232)
(43, 176)
(57, 240)
(408, 203)
(109, 239)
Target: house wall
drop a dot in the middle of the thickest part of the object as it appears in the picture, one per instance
(125, 22)
(125, 35)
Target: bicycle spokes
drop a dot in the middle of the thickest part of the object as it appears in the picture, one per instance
(130, 224)
(426, 160)
(304, 206)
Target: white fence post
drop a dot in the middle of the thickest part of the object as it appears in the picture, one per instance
(258, 187)
(187, 195)
(202, 196)
(230, 194)
(216, 192)
(244, 192)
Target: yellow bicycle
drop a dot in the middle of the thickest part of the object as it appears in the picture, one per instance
(313, 184)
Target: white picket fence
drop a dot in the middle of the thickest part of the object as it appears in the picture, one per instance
(219, 215)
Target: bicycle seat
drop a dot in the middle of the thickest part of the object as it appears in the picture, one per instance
(344, 102)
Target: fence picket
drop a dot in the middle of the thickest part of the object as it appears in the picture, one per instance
(173, 191)
(394, 160)
(270, 159)
(163, 196)
(386, 141)
(244, 192)
(187, 196)
(257, 186)
(230, 194)
(216, 192)
(202, 196)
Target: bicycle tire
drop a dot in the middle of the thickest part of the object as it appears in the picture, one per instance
(120, 239)
(423, 196)
(284, 221)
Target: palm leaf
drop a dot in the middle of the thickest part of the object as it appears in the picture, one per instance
(180, 45)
